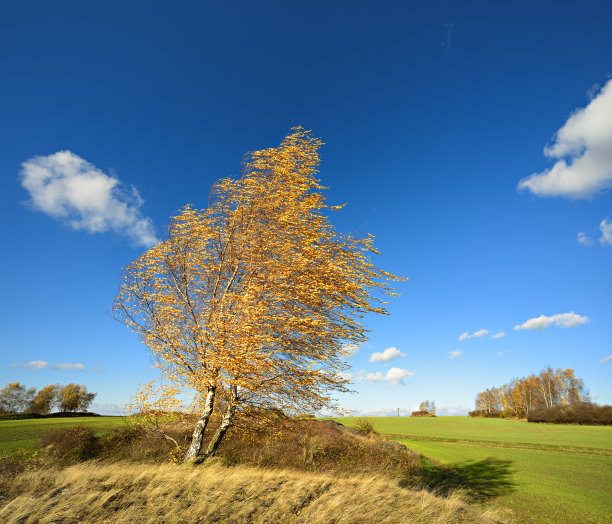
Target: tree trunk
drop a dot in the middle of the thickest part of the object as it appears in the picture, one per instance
(223, 427)
(198, 432)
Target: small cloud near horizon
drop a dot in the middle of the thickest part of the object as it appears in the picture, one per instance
(501, 334)
(394, 376)
(386, 355)
(605, 359)
(41, 364)
(477, 334)
(350, 349)
(563, 320)
(454, 354)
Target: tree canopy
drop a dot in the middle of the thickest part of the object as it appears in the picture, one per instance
(257, 296)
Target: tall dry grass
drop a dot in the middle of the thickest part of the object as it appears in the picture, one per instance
(128, 492)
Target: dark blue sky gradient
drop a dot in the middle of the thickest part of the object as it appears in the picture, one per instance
(431, 114)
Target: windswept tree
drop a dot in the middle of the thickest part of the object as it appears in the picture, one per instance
(256, 298)
(15, 397)
(44, 400)
(74, 397)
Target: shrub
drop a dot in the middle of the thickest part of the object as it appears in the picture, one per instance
(70, 445)
(582, 413)
(365, 426)
(421, 413)
(488, 414)
(19, 462)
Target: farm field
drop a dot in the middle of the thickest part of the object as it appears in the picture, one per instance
(24, 434)
(544, 472)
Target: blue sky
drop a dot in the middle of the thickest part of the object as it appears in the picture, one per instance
(448, 132)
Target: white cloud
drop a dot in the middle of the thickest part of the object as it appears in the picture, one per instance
(34, 364)
(583, 149)
(583, 239)
(606, 232)
(564, 320)
(69, 365)
(350, 349)
(386, 355)
(605, 359)
(452, 412)
(454, 354)
(480, 333)
(381, 412)
(394, 376)
(41, 364)
(68, 188)
(108, 409)
(501, 334)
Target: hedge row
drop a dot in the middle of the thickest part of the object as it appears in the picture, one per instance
(584, 413)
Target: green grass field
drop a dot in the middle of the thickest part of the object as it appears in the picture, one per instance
(25, 434)
(544, 472)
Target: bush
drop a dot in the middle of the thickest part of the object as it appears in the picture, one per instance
(19, 462)
(365, 426)
(582, 413)
(70, 445)
(488, 414)
(421, 413)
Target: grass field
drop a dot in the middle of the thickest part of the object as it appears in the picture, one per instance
(25, 434)
(545, 472)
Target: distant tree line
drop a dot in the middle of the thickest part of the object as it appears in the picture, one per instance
(17, 398)
(520, 396)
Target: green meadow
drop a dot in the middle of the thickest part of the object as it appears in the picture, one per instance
(543, 472)
(25, 434)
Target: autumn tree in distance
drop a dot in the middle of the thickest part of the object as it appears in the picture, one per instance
(255, 299)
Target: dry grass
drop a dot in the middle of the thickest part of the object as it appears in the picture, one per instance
(128, 492)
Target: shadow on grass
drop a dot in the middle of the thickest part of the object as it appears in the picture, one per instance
(481, 480)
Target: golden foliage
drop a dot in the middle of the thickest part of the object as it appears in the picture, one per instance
(257, 295)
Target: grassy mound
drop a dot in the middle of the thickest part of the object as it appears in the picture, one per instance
(127, 492)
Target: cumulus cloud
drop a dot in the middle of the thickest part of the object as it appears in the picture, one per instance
(501, 334)
(454, 354)
(353, 377)
(564, 320)
(34, 364)
(394, 376)
(350, 349)
(583, 239)
(606, 232)
(583, 150)
(69, 365)
(41, 364)
(68, 188)
(605, 359)
(386, 355)
(480, 333)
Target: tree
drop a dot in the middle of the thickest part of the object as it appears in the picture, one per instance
(44, 400)
(548, 389)
(429, 406)
(74, 397)
(15, 397)
(256, 298)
